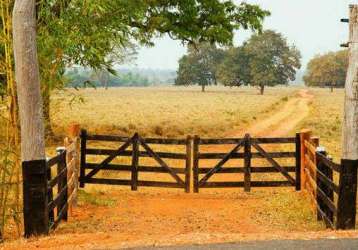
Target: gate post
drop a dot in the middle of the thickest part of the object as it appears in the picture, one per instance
(83, 157)
(35, 197)
(196, 163)
(305, 135)
(298, 162)
(247, 163)
(135, 160)
(188, 164)
(346, 209)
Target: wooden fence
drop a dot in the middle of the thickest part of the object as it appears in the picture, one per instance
(50, 187)
(247, 149)
(134, 148)
(334, 203)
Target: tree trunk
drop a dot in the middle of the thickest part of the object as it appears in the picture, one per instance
(350, 122)
(203, 88)
(262, 89)
(47, 111)
(28, 81)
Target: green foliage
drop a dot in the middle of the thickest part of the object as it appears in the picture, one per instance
(264, 60)
(327, 70)
(88, 78)
(200, 65)
(272, 61)
(235, 68)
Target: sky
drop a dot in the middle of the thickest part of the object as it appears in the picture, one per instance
(312, 25)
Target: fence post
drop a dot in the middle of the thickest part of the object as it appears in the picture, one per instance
(50, 196)
(247, 163)
(135, 160)
(83, 157)
(298, 162)
(321, 185)
(196, 163)
(346, 210)
(188, 164)
(35, 197)
(62, 181)
(74, 132)
(305, 135)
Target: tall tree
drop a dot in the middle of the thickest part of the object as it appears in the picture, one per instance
(200, 65)
(327, 70)
(235, 68)
(28, 81)
(272, 60)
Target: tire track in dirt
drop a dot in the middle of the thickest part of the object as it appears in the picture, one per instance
(283, 121)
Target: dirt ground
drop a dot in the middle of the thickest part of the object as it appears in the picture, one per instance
(116, 217)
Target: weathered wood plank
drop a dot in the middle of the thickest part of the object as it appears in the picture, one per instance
(281, 140)
(135, 161)
(254, 155)
(247, 163)
(196, 143)
(241, 184)
(168, 155)
(149, 169)
(114, 138)
(188, 164)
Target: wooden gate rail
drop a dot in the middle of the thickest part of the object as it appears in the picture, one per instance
(334, 204)
(140, 148)
(247, 169)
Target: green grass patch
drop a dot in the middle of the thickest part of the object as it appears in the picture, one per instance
(95, 198)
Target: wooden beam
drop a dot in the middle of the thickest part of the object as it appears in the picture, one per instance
(350, 121)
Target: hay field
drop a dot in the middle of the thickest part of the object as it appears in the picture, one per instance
(325, 119)
(165, 112)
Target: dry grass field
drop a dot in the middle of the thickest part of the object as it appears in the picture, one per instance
(325, 119)
(166, 112)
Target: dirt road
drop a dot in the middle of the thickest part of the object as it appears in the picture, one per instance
(282, 121)
(160, 217)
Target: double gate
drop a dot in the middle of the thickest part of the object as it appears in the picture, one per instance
(240, 160)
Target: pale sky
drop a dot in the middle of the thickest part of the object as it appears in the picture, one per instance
(312, 25)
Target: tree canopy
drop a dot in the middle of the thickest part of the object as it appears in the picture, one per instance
(200, 65)
(327, 70)
(272, 60)
(265, 59)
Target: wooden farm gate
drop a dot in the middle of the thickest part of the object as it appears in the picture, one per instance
(246, 149)
(131, 151)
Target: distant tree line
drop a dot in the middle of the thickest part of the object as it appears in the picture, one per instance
(327, 70)
(104, 78)
(266, 59)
